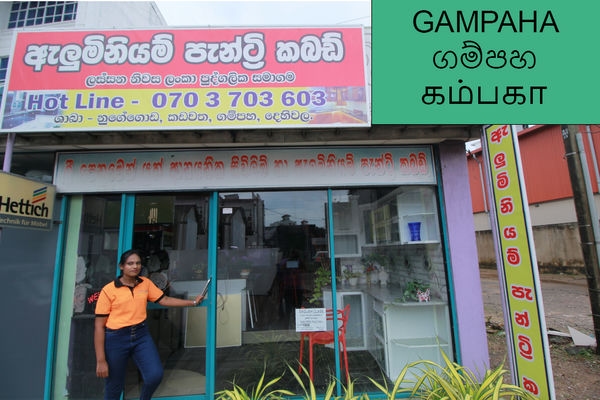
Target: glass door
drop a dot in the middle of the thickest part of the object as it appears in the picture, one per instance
(270, 246)
(172, 231)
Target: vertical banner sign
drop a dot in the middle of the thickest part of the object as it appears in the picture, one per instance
(524, 315)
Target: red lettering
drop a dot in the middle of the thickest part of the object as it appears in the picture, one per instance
(348, 161)
(263, 161)
(253, 161)
(500, 160)
(506, 205)
(414, 164)
(530, 386)
(422, 162)
(93, 298)
(521, 292)
(499, 134)
(280, 163)
(502, 180)
(509, 232)
(522, 319)
(131, 166)
(209, 163)
(525, 347)
(513, 257)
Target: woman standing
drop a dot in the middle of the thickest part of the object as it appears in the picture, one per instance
(121, 331)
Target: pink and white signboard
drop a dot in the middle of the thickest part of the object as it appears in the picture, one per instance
(186, 79)
(242, 168)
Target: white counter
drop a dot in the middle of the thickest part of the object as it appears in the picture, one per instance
(231, 312)
(387, 295)
(398, 332)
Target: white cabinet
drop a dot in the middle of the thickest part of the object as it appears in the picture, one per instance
(407, 332)
(376, 337)
(388, 220)
(346, 224)
(418, 206)
(356, 329)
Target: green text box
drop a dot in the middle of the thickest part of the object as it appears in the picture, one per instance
(483, 62)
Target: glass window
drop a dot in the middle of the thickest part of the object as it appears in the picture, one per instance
(276, 244)
(96, 266)
(273, 263)
(29, 13)
(3, 70)
(394, 280)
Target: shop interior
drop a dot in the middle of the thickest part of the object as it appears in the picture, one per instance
(273, 259)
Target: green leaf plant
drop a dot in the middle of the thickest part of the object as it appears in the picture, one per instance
(309, 390)
(322, 279)
(452, 381)
(262, 391)
(394, 391)
(410, 290)
(310, 393)
(423, 379)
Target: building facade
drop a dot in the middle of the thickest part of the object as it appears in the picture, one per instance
(283, 219)
(29, 255)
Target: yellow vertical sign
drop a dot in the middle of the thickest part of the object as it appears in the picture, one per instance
(524, 316)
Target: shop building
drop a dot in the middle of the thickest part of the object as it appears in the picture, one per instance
(264, 211)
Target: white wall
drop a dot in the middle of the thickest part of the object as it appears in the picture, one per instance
(121, 14)
(90, 15)
(548, 213)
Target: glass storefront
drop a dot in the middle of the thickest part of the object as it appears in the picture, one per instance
(268, 242)
(95, 266)
(376, 252)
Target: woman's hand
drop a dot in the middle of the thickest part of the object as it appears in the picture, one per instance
(101, 364)
(102, 369)
(168, 301)
(198, 299)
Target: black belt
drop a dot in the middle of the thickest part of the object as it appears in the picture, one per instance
(130, 327)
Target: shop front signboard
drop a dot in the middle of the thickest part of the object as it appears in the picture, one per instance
(186, 79)
(25, 203)
(218, 169)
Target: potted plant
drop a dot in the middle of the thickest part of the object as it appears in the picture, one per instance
(426, 379)
(351, 276)
(375, 267)
(322, 280)
(416, 290)
(374, 260)
(261, 391)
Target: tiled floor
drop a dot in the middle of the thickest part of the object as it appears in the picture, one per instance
(244, 365)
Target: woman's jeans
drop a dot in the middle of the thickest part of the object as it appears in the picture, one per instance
(135, 342)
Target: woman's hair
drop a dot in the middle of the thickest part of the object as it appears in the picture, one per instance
(129, 253)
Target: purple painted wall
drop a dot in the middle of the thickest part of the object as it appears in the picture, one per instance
(467, 292)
